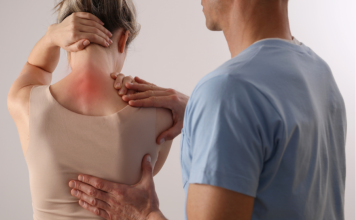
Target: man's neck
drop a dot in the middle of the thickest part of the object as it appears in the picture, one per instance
(250, 21)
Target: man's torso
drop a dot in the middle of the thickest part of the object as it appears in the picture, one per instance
(289, 154)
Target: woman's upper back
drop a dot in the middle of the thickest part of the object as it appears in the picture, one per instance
(63, 144)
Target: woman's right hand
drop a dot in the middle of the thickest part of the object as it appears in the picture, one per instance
(77, 31)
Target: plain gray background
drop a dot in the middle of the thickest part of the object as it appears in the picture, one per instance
(174, 49)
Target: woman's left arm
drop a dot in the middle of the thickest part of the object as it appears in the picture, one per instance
(73, 34)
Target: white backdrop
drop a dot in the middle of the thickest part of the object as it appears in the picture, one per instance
(174, 49)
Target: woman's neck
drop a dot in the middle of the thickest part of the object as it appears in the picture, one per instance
(95, 59)
(88, 89)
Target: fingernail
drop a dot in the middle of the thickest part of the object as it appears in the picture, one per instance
(111, 41)
(148, 158)
(117, 85)
(75, 192)
(121, 92)
(162, 141)
(81, 202)
(110, 34)
(72, 184)
(86, 42)
(80, 178)
(106, 43)
(102, 23)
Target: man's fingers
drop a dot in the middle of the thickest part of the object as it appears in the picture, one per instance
(98, 183)
(127, 79)
(171, 133)
(144, 95)
(89, 190)
(114, 75)
(142, 87)
(118, 81)
(154, 101)
(139, 80)
(147, 171)
(90, 200)
(95, 210)
(130, 92)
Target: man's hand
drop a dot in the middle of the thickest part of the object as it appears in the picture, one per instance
(150, 95)
(120, 82)
(79, 30)
(114, 201)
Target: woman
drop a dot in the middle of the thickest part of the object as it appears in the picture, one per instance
(82, 113)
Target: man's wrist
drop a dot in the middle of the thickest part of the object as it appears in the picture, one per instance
(157, 215)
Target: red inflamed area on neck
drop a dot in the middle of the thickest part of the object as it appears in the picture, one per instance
(90, 88)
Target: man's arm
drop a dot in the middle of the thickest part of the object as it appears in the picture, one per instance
(207, 202)
(114, 201)
(150, 95)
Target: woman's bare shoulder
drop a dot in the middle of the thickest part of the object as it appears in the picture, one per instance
(164, 120)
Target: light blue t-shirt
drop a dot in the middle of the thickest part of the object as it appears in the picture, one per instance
(270, 123)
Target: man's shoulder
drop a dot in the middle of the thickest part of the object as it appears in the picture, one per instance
(264, 62)
(223, 76)
(229, 77)
(216, 84)
(228, 90)
(250, 65)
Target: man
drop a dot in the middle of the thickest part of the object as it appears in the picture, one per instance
(263, 135)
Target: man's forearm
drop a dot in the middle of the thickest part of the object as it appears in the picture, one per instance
(45, 54)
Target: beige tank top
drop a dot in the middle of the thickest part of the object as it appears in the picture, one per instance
(63, 144)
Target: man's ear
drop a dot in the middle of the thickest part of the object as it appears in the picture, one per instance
(123, 39)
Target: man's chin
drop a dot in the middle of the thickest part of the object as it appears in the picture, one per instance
(213, 27)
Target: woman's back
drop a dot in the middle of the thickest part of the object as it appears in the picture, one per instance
(80, 125)
(63, 144)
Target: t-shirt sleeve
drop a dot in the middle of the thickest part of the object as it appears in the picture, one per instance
(228, 126)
